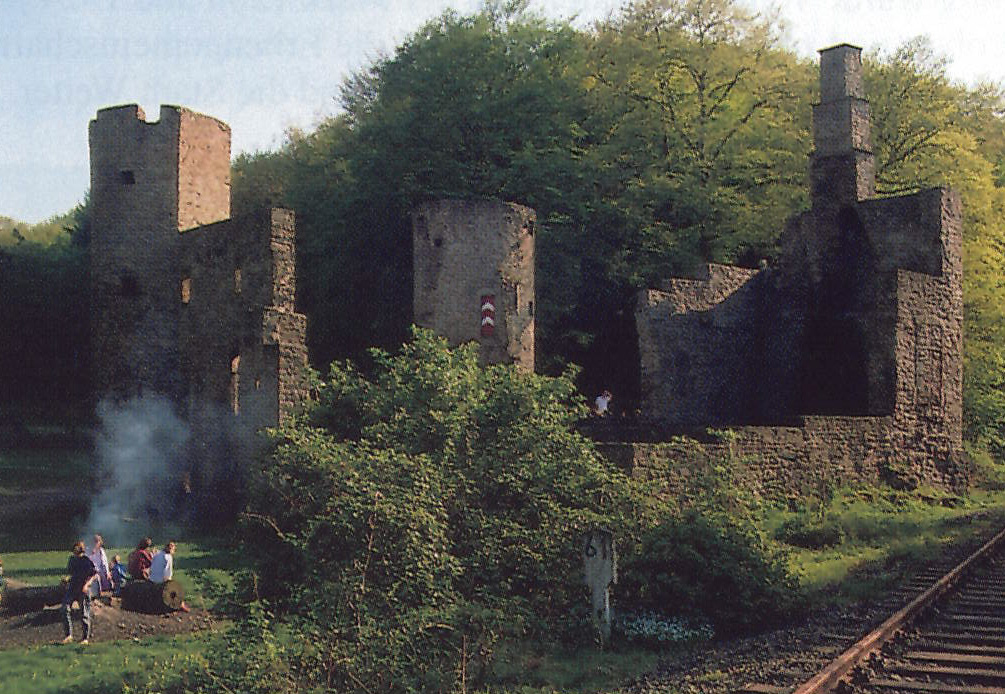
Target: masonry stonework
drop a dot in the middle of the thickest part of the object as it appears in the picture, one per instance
(846, 354)
(469, 254)
(187, 302)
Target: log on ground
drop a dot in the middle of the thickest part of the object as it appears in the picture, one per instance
(152, 598)
(30, 599)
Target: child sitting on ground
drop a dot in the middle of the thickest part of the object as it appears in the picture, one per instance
(119, 574)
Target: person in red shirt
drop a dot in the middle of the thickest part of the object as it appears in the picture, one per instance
(140, 560)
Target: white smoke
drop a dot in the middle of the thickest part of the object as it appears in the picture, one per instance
(158, 473)
(141, 452)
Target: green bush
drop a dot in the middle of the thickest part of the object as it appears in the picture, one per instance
(809, 532)
(422, 511)
(708, 567)
(988, 473)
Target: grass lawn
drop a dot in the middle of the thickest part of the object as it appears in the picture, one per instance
(27, 469)
(204, 566)
(883, 535)
(44, 495)
(99, 668)
(35, 547)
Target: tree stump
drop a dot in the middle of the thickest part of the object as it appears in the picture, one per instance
(152, 598)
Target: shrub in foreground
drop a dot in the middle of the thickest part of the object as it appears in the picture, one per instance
(708, 567)
(424, 510)
(803, 530)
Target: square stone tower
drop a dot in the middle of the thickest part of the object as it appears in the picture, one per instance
(188, 303)
(149, 182)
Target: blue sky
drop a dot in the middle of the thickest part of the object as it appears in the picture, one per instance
(264, 66)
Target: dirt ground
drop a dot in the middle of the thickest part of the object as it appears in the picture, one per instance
(109, 623)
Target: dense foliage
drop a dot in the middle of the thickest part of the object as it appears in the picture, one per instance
(423, 510)
(709, 566)
(43, 283)
(426, 509)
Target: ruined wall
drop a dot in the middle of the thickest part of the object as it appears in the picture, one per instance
(854, 334)
(467, 250)
(235, 291)
(787, 462)
(695, 338)
(187, 302)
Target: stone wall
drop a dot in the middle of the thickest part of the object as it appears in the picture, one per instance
(690, 328)
(203, 170)
(188, 303)
(846, 353)
(787, 462)
(464, 250)
(238, 323)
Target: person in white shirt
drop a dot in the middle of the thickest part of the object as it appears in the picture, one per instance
(162, 566)
(601, 403)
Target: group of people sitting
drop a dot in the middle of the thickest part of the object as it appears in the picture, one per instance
(145, 563)
(91, 575)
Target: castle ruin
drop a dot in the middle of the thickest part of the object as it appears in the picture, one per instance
(186, 302)
(844, 355)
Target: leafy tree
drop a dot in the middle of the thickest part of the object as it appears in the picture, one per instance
(713, 100)
(43, 282)
(428, 508)
(928, 131)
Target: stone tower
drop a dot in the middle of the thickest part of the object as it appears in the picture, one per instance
(846, 354)
(187, 302)
(474, 276)
(149, 182)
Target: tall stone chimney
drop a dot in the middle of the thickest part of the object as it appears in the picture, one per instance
(842, 167)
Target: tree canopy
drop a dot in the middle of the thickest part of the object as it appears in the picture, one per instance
(673, 133)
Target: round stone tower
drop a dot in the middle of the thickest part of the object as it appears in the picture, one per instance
(474, 276)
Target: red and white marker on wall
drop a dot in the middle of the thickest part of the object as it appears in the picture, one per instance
(488, 314)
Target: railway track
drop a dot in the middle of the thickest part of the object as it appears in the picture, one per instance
(948, 638)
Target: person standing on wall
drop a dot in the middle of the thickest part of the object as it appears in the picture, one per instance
(82, 575)
(601, 403)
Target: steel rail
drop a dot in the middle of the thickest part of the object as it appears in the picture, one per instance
(837, 669)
